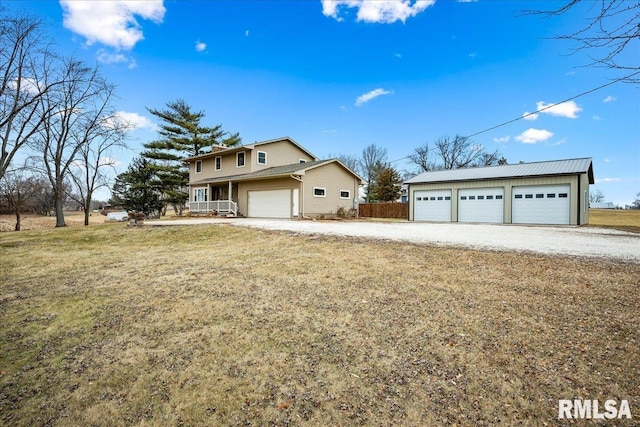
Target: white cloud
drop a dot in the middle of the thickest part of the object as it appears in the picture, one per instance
(596, 117)
(379, 11)
(135, 121)
(502, 139)
(201, 47)
(609, 99)
(606, 160)
(567, 109)
(246, 33)
(599, 181)
(366, 97)
(533, 136)
(112, 23)
(530, 116)
(473, 55)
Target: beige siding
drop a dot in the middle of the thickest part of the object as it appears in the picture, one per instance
(228, 167)
(577, 207)
(333, 178)
(279, 153)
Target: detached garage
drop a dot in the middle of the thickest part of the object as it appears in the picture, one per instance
(553, 192)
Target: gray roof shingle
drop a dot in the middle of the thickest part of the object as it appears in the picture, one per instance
(272, 172)
(519, 170)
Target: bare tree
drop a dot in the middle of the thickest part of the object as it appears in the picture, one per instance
(421, 156)
(348, 160)
(75, 113)
(596, 196)
(488, 159)
(610, 36)
(25, 70)
(373, 160)
(101, 136)
(459, 152)
(18, 193)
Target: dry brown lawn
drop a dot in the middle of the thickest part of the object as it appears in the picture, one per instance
(217, 325)
(627, 220)
(38, 222)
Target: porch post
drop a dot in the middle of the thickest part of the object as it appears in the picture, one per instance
(230, 190)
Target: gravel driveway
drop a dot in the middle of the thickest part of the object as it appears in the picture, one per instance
(576, 241)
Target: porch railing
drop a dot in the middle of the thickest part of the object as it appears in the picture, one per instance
(220, 206)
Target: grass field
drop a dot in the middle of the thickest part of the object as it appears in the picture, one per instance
(218, 325)
(627, 220)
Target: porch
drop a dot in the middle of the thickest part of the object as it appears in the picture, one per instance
(214, 198)
(222, 207)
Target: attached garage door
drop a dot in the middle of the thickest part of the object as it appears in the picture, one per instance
(545, 204)
(481, 205)
(432, 205)
(269, 204)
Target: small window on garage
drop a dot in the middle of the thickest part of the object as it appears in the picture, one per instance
(447, 198)
(528, 196)
(499, 196)
(480, 197)
(472, 197)
(198, 166)
(440, 198)
(540, 196)
(319, 192)
(419, 199)
(551, 195)
(518, 196)
(489, 197)
(345, 194)
(563, 195)
(432, 198)
(463, 197)
(262, 158)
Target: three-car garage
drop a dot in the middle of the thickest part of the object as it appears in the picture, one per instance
(553, 192)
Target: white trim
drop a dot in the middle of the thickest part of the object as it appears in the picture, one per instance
(198, 163)
(348, 194)
(244, 159)
(258, 158)
(324, 192)
(215, 163)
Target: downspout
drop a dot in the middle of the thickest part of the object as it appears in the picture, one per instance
(301, 195)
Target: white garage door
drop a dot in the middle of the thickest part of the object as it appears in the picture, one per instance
(481, 205)
(432, 205)
(544, 204)
(269, 204)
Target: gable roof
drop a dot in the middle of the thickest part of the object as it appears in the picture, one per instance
(520, 170)
(220, 150)
(276, 172)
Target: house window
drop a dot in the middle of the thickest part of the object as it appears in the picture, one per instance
(303, 161)
(218, 163)
(199, 194)
(319, 192)
(345, 194)
(262, 158)
(198, 166)
(240, 159)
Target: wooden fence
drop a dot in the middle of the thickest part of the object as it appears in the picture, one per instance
(384, 210)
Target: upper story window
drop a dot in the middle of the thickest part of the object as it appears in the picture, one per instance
(262, 158)
(240, 159)
(303, 161)
(218, 161)
(198, 166)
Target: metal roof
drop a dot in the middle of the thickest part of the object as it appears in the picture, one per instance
(519, 170)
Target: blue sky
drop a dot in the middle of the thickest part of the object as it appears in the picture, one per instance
(337, 76)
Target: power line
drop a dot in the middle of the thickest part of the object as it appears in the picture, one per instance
(542, 109)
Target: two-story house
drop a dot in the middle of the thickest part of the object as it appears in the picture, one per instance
(270, 179)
